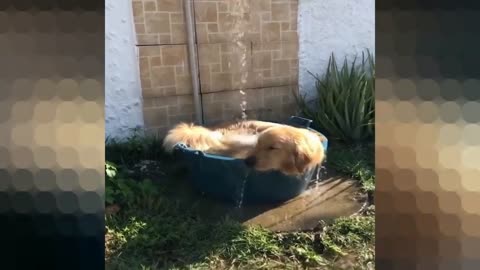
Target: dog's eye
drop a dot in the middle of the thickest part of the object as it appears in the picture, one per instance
(272, 148)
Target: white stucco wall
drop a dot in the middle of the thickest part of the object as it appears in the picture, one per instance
(344, 27)
(123, 96)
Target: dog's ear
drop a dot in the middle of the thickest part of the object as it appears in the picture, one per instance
(302, 160)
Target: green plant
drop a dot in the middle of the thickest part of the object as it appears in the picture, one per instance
(136, 147)
(124, 191)
(344, 106)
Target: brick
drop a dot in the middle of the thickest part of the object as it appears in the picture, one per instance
(149, 6)
(174, 55)
(280, 12)
(155, 116)
(170, 5)
(206, 11)
(157, 23)
(163, 76)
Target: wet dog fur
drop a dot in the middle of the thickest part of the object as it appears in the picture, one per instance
(263, 145)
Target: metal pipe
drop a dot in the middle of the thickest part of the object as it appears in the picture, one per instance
(193, 59)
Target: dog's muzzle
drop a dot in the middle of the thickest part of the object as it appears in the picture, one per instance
(250, 161)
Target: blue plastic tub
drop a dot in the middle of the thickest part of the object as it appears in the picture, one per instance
(228, 178)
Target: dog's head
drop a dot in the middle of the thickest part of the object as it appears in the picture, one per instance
(287, 149)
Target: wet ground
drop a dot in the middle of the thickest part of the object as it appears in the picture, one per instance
(332, 197)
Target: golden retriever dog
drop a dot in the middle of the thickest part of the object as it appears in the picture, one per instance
(264, 146)
(290, 150)
(229, 138)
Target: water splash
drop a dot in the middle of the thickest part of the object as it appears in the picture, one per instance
(321, 171)
(319, 175)
(240, 18)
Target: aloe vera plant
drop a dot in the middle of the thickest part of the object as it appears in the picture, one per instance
(344, 106)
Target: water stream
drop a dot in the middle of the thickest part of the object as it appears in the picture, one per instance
(240, 20)
(242, 189)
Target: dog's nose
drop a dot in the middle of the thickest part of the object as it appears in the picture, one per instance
(250, 161)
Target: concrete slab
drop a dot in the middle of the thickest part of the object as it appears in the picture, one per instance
(332, 198)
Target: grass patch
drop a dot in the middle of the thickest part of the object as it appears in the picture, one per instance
(154, 230)
(357, 161)
(137, 147)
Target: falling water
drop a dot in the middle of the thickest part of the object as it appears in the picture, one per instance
(320, 173)
(243, 105)
(322, 170)
(240, 25)
(242, 189)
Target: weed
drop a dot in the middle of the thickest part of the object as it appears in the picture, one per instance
(138, 146)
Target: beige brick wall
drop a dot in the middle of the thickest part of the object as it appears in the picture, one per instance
(163, 61)
(164, 70)
(159, 22)
(254, 51)
(161, 113)
(264, 20)
(273, 103)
